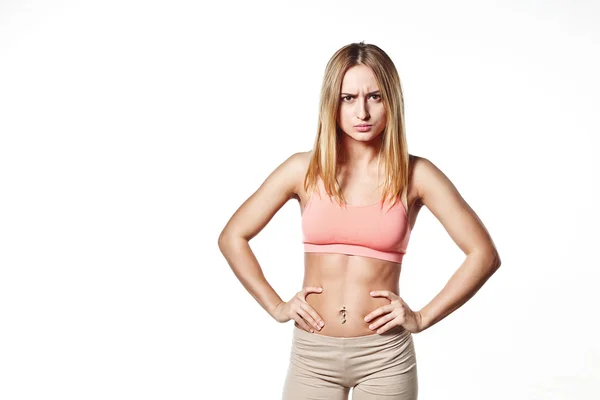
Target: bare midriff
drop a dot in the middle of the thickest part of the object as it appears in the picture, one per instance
(347, 281)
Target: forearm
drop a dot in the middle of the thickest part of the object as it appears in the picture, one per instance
(246, 268)
(477, 268)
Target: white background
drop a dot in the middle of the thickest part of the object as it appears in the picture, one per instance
(132, 130)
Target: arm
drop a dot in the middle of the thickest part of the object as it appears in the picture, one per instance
(465, 228)
(249, 219)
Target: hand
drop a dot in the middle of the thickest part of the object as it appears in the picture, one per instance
(396, 313)
(300, 311)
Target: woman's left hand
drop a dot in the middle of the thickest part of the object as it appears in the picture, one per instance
(394, 314)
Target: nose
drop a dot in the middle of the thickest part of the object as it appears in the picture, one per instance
(362, 112)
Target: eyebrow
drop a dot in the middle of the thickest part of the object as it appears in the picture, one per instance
(350, 94)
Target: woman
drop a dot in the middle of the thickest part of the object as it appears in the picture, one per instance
(351, 327)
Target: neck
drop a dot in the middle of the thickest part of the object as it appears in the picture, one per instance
(359, 155)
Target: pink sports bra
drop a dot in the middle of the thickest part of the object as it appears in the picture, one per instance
(370, 231)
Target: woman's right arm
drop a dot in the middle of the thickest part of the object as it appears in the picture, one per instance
(249, 219)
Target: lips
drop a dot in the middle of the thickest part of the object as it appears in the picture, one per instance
(362, 125)
(362, 128)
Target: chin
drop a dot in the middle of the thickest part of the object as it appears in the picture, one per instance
(364, 136)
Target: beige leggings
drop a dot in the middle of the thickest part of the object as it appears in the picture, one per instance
(377, 366)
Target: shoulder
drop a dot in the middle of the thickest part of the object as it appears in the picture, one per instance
(411, 161)
(414, 163)
(298, 162)
(303, 157)
(428, 178)
(294, 168)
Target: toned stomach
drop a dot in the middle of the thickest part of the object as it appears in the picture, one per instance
(347, 282)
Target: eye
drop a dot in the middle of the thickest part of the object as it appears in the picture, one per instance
(376, 96)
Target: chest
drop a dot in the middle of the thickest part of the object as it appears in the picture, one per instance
(376, 226)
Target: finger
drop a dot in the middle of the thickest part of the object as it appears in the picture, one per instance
(382, 293)
(317, 321)
(306, 317)
(303, 324)
(311, 289)
(382, 321)
(380, 311)
(390, 325)
(304, 314)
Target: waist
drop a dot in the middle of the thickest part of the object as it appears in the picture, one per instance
(343, 307)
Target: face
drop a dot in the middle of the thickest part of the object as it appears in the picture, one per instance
(361, 103)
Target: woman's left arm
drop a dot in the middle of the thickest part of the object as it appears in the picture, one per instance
(441, 197)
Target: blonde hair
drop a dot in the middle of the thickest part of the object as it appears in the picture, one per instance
(394, 149)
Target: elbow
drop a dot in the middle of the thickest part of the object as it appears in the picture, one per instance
(490, 258)
(226, 238)
(222, 241)
(495, 260)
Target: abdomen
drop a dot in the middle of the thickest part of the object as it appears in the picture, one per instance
(347, 281)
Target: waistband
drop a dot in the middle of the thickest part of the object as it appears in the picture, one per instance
(354, 249)
(373, 339)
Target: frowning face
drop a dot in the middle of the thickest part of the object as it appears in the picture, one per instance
(361, 104)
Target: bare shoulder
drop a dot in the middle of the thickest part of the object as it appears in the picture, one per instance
(287, 177)
(426, 176)
(278, 187)
(304, 158)
(296, 167)
(415, 172)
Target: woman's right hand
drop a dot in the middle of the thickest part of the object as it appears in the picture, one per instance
(300, 311)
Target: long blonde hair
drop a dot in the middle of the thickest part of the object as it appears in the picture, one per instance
(393, 151)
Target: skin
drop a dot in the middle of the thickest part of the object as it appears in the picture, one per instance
(367, 288)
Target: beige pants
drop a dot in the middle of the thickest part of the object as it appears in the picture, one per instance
(378, 366)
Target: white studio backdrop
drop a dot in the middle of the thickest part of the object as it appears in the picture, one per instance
(130, 131)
